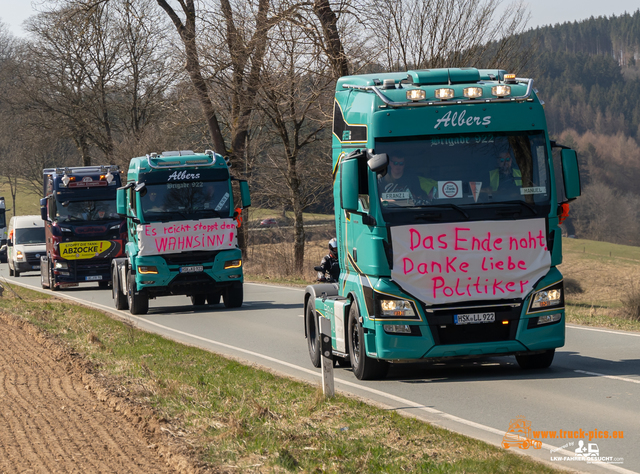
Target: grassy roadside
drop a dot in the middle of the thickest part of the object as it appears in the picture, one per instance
(602, 282)
(240, 419)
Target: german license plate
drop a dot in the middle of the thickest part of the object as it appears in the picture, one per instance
(35, 267)
(93, 278)
(192, 269)
(474, 318)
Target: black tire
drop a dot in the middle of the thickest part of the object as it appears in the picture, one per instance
(364, 367)
(10, 271)
(119, 298)
(536, 361)
(103, 284)
(16, 273)
(313, 333)
(138, 304)
(233, 296)
(198, 300)
(213, 298)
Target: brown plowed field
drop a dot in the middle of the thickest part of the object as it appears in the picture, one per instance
(51, 421)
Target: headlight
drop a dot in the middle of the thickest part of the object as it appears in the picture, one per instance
(547, 298)
(501, 91)
(396, 308)
(61, 265)
(19, 255)
(147, 269)
(233, 264)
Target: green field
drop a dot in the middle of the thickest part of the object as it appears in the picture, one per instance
(27, 199)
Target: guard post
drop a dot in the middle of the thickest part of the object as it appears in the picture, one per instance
(327, 357)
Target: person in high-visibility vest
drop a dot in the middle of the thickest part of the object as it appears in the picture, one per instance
(506, 177)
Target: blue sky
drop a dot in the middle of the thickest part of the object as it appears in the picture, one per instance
(543, 12)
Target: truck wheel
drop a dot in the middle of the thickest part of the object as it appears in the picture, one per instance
(213, 298)
(364, 367)
(138, 304)
(233, 297)
(10, 271)
(16, 273)
(119, 298)
(313, 334)
(198, 300)
(536, 361)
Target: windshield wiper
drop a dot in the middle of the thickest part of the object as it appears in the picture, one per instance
(208, 211)
(452, 206)
(522, 203)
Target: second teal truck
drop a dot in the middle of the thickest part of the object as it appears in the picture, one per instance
(181, 231)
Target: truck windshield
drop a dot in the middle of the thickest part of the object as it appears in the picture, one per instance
(68, 211)
(30, 236)
(457, 171)
(188, 200)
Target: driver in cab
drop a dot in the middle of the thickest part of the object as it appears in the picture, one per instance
(399, 186)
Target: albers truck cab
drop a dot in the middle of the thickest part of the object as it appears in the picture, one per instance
(83, 229)
(182, 231)
(446, 206)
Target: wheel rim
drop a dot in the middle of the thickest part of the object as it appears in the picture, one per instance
(355, 344)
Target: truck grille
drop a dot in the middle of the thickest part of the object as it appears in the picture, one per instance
(190, 258)
(32, 259)
(445, 331)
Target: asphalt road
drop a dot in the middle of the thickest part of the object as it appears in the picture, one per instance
(593, 384)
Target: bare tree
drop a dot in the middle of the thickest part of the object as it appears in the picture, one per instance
(292, 99)
(418, 34)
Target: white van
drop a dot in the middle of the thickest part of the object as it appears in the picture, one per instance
(25, 244)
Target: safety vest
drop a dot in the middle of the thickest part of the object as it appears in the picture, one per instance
(494, 178)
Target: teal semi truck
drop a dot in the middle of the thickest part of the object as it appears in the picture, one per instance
(181, 231)
(446, 198)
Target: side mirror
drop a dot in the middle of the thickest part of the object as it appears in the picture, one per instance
(570, 174)
(349, 185)
(43, 209)
(378, 163)
(9, 243)
(120, 202)
(141, 188)
(244, 193)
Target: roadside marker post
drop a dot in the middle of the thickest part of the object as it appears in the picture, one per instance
(327, 357)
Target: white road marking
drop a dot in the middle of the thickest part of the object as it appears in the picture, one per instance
(608, 331)
(614, 377)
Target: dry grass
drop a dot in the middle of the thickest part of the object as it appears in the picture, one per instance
(602, 283)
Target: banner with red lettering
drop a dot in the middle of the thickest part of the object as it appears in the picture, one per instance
(186, 236)
(486, 260)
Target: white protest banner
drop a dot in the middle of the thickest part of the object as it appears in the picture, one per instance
(467, 261)
(185, 236)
